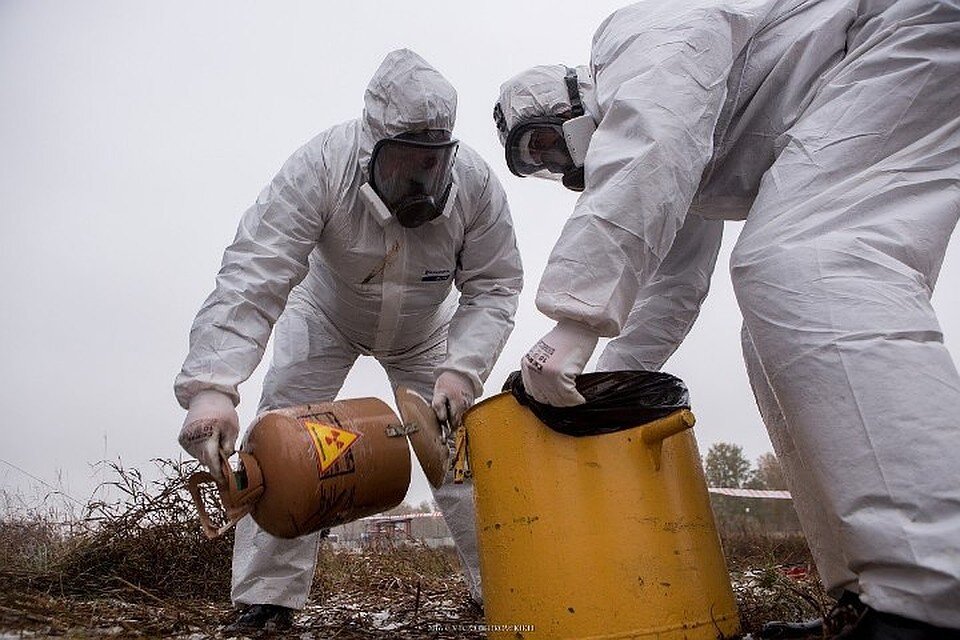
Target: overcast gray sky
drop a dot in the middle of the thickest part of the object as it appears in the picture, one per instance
(134, 134)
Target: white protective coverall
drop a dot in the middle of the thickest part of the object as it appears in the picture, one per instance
(831, 127)
(357, 284)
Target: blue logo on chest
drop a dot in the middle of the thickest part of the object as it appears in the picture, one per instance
(435, 275)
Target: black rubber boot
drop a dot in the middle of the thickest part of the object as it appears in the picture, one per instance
(875, 625)
(778, 630)
(262, 617)
(850, 619)
(845, 613)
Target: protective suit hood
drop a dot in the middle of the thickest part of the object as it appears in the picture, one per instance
(405, 94)
(541, 91)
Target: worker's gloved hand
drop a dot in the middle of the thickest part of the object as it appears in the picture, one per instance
(551, 367)
(452, 396)
(210, 429)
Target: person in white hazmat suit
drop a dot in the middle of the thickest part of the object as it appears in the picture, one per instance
(357, 241)
(832, 128)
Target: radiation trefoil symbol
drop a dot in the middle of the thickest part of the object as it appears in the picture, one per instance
(330, 442)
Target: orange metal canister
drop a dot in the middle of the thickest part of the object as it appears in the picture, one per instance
(315, 466)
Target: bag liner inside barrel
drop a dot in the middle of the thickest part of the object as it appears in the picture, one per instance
(615, 400)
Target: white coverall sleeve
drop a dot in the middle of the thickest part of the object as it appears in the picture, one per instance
(267, 258)
(669, 304)
(489, 277)
(661, 83)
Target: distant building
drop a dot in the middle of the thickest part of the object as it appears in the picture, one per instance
(740, 511)
(427, 529)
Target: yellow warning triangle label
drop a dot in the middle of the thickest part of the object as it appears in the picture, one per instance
(330, 442)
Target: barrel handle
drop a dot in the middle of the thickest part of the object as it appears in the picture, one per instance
(654, 433)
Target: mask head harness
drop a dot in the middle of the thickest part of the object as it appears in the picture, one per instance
(550, 146)
(412, 174)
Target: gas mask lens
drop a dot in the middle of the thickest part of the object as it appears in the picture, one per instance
(538, 148)
(412, 175)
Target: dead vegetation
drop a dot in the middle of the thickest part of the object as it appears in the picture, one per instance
(139, 566)
(773, 578)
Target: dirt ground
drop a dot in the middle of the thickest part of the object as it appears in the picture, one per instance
(140, 567)
(405, 594)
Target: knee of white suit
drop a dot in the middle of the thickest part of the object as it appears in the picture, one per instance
(803, 297)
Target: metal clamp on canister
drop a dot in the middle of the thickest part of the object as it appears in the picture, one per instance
(461, 465)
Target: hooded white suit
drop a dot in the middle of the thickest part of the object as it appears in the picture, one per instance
(350, 282)
(831, 126)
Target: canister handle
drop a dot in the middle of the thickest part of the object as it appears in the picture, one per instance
(235, 503)
(654, 433)
(209, 529)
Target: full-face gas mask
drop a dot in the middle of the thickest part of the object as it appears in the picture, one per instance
(412, 175)
(552, 147)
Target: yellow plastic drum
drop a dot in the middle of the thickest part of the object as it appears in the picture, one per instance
(607, 536)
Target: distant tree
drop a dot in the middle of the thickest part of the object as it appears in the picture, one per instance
(726, 466)
(405, 508)
(427, 506)
(768, 474)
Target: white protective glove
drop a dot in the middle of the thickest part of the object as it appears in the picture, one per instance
(210, 429)
(550, 368)
(452, 396)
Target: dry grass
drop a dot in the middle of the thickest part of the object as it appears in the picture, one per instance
(140, 566)
(773, 578)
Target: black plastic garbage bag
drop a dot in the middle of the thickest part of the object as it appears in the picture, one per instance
(615, 400)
